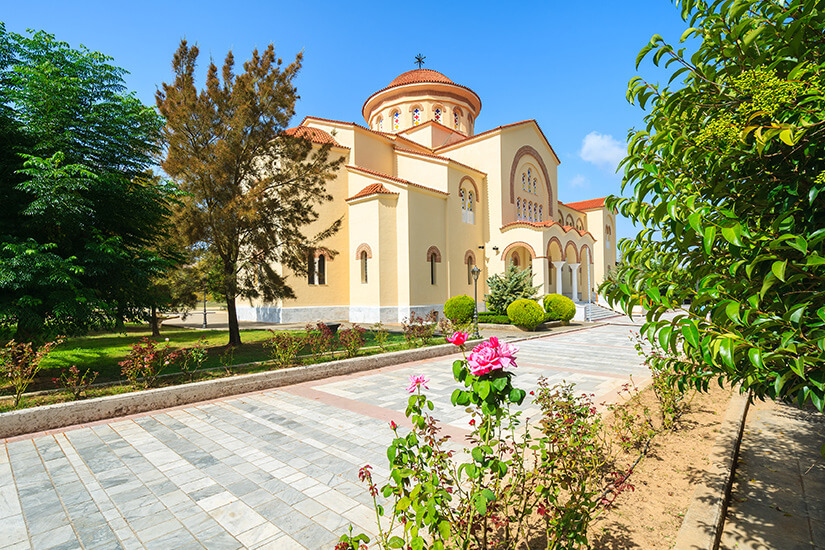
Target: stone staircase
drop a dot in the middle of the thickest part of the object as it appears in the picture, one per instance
(598, 313)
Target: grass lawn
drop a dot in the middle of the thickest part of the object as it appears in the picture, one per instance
(102, 352)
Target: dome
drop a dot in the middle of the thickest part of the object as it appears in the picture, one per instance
(418, 96)
(419, 75)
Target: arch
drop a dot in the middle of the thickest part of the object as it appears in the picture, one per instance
(589, 252)
(318, 252)
(433, 251)
(380, 123)
(569, 221)
(608, 232)
(561, 248)
(364, 259)
(363, 247)
(456, 118)
(527, 150)
(473, 183)
(396, 119)
(515, 244)
(579, 224)
(470, 257)
(568, 246)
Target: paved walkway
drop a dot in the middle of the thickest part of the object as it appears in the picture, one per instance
(272, 469)
(778, 496)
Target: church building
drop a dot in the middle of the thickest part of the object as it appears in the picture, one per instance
(423, 199)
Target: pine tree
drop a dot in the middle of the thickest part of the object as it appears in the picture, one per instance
(250, 189)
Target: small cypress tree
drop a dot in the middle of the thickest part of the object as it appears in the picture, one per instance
(504, 290)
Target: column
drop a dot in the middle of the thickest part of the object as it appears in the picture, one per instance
(574, 279)
(558, 266)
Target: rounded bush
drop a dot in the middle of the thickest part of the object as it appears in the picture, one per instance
(559, 308)
(525, 313)
(459, 309)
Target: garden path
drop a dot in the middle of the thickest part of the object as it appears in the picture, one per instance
(271, 469)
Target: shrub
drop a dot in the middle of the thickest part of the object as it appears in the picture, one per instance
(320, 339)
(75, 382)
(506, 289)
(525, 313)
(493, 318)
(21, 362)
(146, 361)
(459, 309)
(559, 308)
(283, 347)
(191, 359)
(352, 339)
(380, 335)
(419, 329)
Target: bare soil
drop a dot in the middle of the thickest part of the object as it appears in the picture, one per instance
(650, 516)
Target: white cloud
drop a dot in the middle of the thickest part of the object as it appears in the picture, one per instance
(602, 150)
(579, 181)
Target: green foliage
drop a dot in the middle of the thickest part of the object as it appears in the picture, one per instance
(351, 339)
(20, 362)
(80, 212)
(284, 347)
(459, 309)
(493, 318)
(504, 290)
(251, 189)
(559, 308)
(727, 180)
(76, 383)
(525, 313)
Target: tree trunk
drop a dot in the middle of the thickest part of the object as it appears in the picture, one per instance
(234, 329)
(120, 315)
(155, 322)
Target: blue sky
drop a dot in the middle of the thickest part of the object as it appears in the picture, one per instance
(565, 64)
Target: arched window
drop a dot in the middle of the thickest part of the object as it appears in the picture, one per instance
(433, 257)
(570, 220)
(311, 268)
(396, 120)
(463, 199)
(561, 219)
(529, 211)
(470, 201)
(456, 118)
(535, 186)
(541, 217)
(416, 116)
(469, 123)
(437, 114)
(470, 265)
(363, 267)
(607, 232)
(523, 182)
(432, 269)
(529, 179)
(316, 269)
(518, 208)
(380, 124)
(514, 259)
(579, 224)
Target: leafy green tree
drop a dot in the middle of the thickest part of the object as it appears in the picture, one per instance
(80, 213)
(505, 289)
(251, 190)
(727, 180)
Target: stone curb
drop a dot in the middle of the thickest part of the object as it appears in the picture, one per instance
(61, 415)
(702, 527)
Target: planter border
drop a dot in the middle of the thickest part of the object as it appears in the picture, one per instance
(702, 527)
(71, 413)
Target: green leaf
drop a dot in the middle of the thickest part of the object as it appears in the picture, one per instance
(732, 311)
(778, 269)
(396, 542)
(402, 504)
(726, 350)
(709, 238)
(690, 331)
(484, 388)
(755, 357)
(798, 367)
(733, 234)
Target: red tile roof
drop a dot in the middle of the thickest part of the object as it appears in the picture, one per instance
(393, 178)
(589, 204)
(419, 75)
(372, 189)
(315, 135)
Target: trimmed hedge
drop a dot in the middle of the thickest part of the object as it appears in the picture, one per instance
(493, 318)
(459, 309)
(559, 308)
(525, 313)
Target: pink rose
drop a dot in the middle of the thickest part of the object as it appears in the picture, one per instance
(417, 380)
(393, 425)
(458, 338)
(491, 355)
